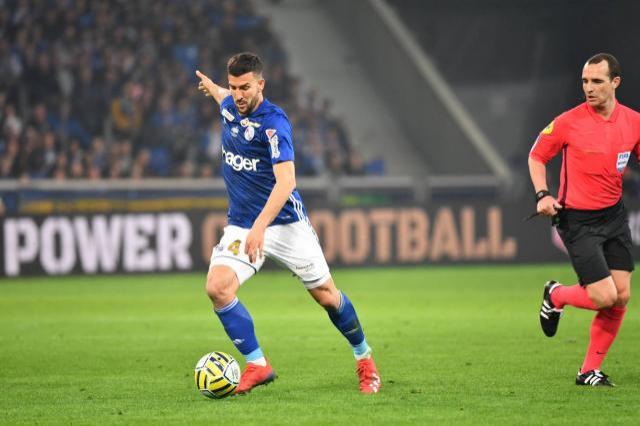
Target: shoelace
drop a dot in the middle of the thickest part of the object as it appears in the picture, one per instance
(363, 367)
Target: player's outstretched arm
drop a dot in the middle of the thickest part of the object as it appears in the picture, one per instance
(209, 88)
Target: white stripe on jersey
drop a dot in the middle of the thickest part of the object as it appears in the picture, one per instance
(297, 207)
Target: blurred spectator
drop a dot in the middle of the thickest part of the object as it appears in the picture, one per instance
(126, 111)
(84, 85)
(9, 166)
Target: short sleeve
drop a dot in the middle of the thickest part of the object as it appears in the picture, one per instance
(226, 103)
(550, 141)
(277, 133)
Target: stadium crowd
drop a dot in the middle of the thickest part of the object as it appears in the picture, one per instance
(106, 89)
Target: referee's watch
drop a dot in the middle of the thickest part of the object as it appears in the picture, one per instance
(541, 194)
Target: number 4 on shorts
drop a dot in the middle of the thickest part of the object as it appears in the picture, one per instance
(234, 247)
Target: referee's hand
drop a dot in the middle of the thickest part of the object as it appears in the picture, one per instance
(548, 206)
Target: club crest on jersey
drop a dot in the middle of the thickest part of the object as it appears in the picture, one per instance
(234, 131)
(248, 123)
(549, 129)
(226, 114)
(623, 159)
(273, 141)
(249, 133)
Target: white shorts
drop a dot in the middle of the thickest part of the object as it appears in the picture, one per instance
(294, 245)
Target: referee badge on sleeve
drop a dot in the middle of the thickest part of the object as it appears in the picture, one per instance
(623, 159)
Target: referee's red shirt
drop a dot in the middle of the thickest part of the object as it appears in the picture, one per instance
(595, 153)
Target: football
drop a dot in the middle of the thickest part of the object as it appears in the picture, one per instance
(217, 375)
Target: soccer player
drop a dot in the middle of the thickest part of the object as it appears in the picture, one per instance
(266, 217)
(596, 139)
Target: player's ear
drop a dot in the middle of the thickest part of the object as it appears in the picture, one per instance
(616, 81)
(261, 84)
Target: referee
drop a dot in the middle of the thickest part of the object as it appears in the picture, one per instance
(597, 139)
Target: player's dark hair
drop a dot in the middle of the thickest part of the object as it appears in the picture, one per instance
(242, 63)
(614, 65)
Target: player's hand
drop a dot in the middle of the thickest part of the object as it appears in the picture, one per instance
(254, 245)
(206, 86)
(548, 206)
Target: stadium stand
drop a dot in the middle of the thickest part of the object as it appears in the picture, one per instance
(106, 90)
(513, 64)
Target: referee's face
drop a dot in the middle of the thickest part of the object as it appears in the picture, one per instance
(599, 89)
(246, 91)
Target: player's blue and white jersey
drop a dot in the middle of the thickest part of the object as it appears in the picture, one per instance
(251, 145)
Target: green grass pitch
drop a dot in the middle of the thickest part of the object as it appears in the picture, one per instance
(454, 345)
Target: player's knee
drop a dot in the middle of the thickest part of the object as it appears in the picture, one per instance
(605, 300)
(219, 287)
(327, 296)
(623, 298)
(328, 302)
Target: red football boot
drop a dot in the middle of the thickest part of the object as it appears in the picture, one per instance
(255, 375)
(368, 375)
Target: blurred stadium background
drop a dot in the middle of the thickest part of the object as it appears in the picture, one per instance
(412, 124)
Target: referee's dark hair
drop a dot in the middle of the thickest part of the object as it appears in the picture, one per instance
(244, 62)
(614, 65)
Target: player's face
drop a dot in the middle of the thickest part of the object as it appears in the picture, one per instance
(598, 88)
(246, 91)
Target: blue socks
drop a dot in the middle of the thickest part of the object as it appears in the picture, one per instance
(238, 324)
(346, 321)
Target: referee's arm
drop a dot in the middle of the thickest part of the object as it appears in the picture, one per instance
(547, 206)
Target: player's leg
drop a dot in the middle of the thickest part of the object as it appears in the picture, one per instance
(296, 246)
(222, 285)
(230, 268)
(343, 316)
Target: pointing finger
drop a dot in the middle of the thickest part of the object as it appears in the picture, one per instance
(201, 75)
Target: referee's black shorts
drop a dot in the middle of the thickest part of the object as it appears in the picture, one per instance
(597, 241)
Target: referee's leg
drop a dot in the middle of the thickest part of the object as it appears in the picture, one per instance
(603, 293)
(622, 280)
(611, 309)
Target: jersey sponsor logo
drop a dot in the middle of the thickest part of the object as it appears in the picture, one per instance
(248, 123)
(234, 131)
(273, 141)
(623, 159)
(238, 162)
(549, 129)
(226, 114)
(249, 133)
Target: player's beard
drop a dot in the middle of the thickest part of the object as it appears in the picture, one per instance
(248, 105)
